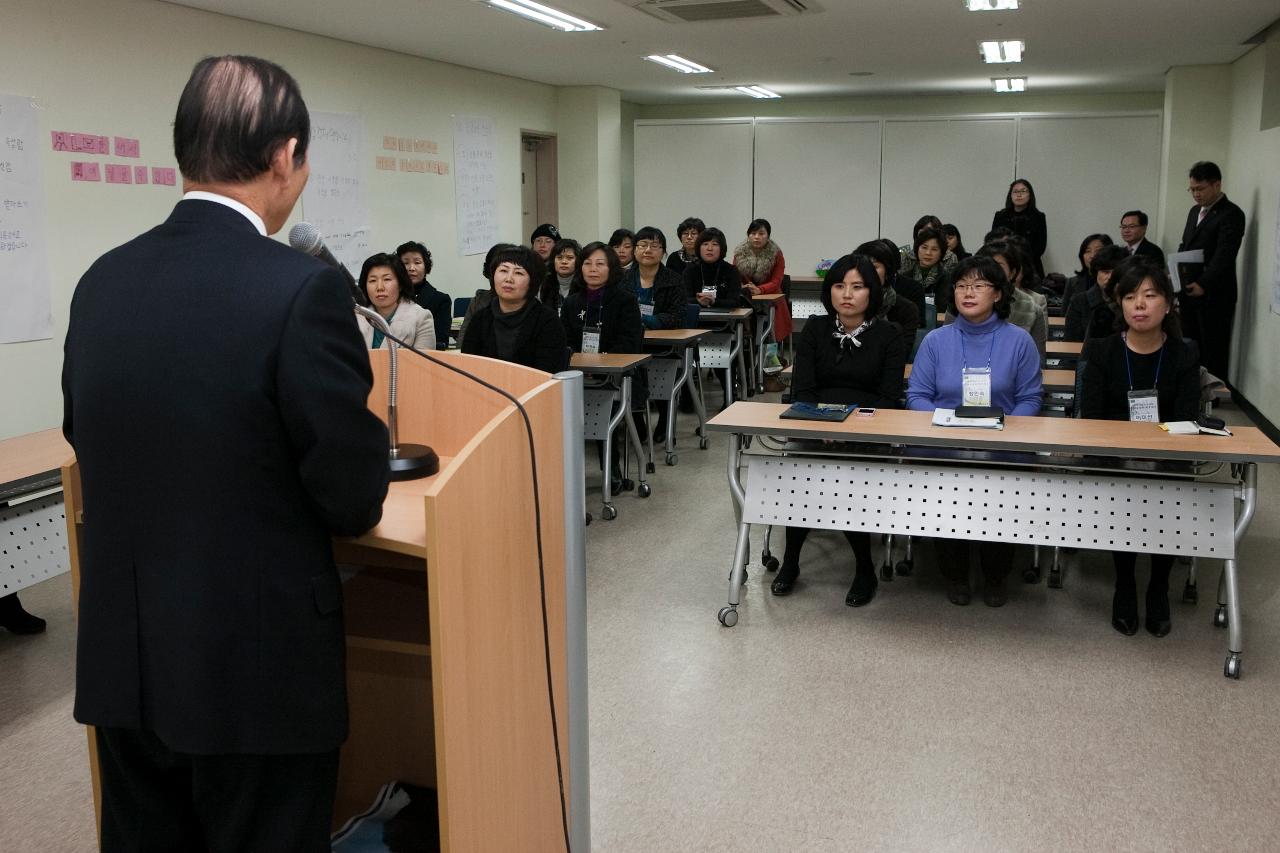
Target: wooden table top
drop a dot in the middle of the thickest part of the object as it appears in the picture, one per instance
(1059, 435)
(1063, 347)
(722, 314)
(768, 297)
(674, 336)
(1052, 380)
(607, 362)
(35, 453)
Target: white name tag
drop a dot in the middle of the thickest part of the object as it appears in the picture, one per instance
(976, 386)
(1144, 406)
(591, 339)
(646, 310)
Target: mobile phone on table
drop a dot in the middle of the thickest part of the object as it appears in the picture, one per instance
(863, 413)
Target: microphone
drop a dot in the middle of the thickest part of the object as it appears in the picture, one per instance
(306, 238)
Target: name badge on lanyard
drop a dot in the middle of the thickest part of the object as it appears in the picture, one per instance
(591, 339)
(646, 310)
(1144, 406)
(976, 386)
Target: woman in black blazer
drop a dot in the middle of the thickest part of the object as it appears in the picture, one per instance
(1150, 354)
(850, 355)
(1021, 216)
(712, 281)
(515, 326)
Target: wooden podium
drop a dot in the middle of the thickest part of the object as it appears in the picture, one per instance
(446, 673)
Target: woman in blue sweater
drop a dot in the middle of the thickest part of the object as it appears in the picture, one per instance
(979, 360)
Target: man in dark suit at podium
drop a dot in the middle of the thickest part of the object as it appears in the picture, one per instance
(215, 390)
(1207, 303)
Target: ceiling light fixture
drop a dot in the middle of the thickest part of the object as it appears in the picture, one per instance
(1010, 84)
(990, 5)
(757, 92)
(545, 15)
(679, 63)
(1002, 51)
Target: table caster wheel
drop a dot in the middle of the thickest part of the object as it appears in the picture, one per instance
(1231, 669)
(886, 572)
(728, 616)
(649, 468)
(1055, 579)
(1190, 595)
(672, 458)
(905, 568)
(703, 443)
(1220, 617)
(628, 484)
(770, 562)
(1031, 574)
(645, 490)
(608, 512)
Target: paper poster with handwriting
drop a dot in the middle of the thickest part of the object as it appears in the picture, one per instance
(336, 197)
(475, 183)
(24, 262)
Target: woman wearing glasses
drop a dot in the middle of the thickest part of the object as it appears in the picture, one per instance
(1021, 216)
(658, 289)
(981, 359)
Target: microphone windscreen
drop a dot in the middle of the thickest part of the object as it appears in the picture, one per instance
(305, 237)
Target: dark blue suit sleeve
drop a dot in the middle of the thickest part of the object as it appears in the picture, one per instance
(323, 381)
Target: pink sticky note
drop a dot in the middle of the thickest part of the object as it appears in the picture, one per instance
(164, 177)
(126, 147)
(85, 172)
(119, 174)
(59, 140)
(140, 174)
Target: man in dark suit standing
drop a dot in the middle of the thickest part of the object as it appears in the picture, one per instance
(1207, 303)
(215, 390)
(1133, 232)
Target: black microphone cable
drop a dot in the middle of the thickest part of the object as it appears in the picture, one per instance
(542, 576)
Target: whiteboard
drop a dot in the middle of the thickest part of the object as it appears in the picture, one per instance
(24, 268)
(700, 169)
(336, 198)
(958, 169)
(475, 183)
(818, 184)
(1087, 171)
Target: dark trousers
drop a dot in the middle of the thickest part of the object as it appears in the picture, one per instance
(1209, 324)
(952, 556)
(859, 541)
(155, 800)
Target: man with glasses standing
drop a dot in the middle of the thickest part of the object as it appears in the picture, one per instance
(1207, 303)
(1133, 231)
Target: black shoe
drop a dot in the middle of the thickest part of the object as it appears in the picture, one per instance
(785, 580)
(863, 589)
(17, 620)
(994, 594)
(1124, 611)
(958, 592)
(1158, 621)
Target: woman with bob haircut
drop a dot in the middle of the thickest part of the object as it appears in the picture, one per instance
(559, 278)
(687, 233)
(417, 263)
(1145, 371)
(980, 359)
(1092, 312)
(390, 293)
(1083, 278)
(850, 356)
(903, 301)
(712, 281)
(1027, 308)
(658, 289)
(515, 326)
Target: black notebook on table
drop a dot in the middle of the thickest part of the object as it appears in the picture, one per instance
(834, 412)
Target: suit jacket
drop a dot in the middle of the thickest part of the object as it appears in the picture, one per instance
(1219, 235)
(411, 323)
(1147, 249)
(441, 308)
(215, 393)
(539, 343)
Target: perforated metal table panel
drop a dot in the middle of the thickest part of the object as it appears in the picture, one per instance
(1039, 508)
(33, 542)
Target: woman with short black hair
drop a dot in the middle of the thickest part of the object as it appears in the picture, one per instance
(904, 307)
(417, 263)
(712, 281)
(955, 243)
(1083, 278)
(761, 265)
(659, 290)
(849, 356)
(390, 293)
(687, 231)
(559, 278)
(1027, 308)
(1146, 372)
(515, 326)
(1093, 313)
(623, 243)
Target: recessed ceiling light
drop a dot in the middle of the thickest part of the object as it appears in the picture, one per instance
(679, 63)
(990, 5)
(545, 15)
(1002, 51)
(757, 92)
(1010, 84)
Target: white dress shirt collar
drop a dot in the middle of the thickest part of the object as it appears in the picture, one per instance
(200, 195)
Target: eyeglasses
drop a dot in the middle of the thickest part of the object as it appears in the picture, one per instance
(974, 286)
(1125, 226)
(645, 245)
(1198, 188)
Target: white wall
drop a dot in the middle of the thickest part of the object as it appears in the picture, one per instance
(117, 68)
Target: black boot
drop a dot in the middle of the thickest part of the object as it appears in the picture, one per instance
(1158, 622)
(785, 579)
(863, 589)
(1124, 609)
(17, 620)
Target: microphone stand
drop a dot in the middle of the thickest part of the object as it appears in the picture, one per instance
(407, 461)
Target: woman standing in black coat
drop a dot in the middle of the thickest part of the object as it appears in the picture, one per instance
(515, 326)
(1021, 216)
(849, 355)
(1145, 373)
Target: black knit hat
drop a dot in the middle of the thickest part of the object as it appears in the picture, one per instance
(546, 229)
